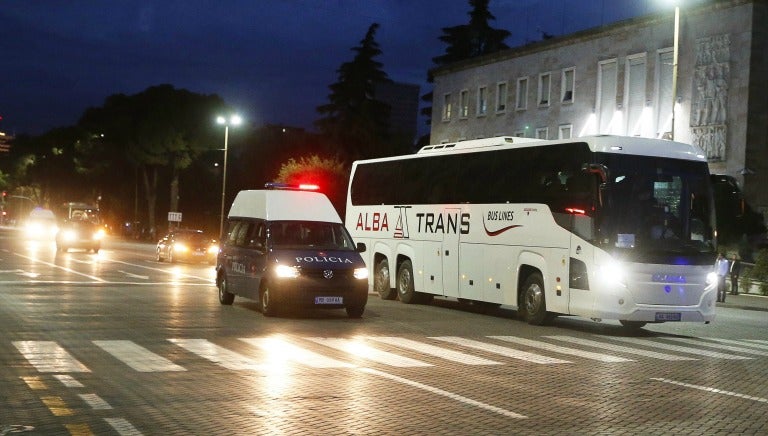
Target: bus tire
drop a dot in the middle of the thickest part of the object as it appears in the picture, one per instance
(225, 297)
(533, 305)
(632, 325)
(405, 289)
(381, 281)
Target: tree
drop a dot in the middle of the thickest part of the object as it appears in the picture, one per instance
(157, 132)
(467, 41)
(329, 174)
(354, 118)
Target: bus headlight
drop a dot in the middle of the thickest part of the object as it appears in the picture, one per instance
(711, 278)
(361, 273)
(612, 273)
(286, 272)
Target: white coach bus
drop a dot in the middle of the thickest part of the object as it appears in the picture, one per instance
(604, 227)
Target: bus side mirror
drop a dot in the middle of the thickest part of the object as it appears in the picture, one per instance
(360, 247)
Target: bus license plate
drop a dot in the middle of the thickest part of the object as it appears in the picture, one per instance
(329, 300)
(668, 316)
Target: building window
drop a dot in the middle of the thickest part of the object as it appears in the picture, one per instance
(664, 94)
(464, 104)
(542, 133)
(606, 95)
(447, 107)
(521, 101)
(569, 79)
(636, 74)
(565, 131)
(482, 101)
(544, 89)
(501, 97)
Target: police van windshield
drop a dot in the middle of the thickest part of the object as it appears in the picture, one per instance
(656, 208)
(310, 234)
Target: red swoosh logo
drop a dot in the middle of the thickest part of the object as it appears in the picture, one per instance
(500, 231)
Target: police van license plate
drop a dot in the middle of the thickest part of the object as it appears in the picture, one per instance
(668, 316)
(329, 300)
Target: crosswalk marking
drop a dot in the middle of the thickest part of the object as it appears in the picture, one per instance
(219, 355)
(563, 350)
(689, 350)
(281, 349)
(758, 341)
(137, 357)
(358, 348)
(744, 350)
(743, 343)
(619, 348)
(433, 350)
(497, 349)
(47, 356)
(95, 401)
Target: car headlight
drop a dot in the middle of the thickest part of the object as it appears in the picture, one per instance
(711, 278)
(286, 272)
(612, 273)
(33, 229)
(180, 247)
(361, 273)
(213, 249)
(99, 234)
(69, 235)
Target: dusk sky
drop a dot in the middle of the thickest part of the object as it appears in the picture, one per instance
(270, 59)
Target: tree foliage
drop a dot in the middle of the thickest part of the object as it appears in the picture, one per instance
(330, 174)
(353, 117)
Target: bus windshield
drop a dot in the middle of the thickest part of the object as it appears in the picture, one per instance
(656, 210)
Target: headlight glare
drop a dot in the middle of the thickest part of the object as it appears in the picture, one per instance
(286, 272)
(711, 278)
(612, 273)
(361, 273)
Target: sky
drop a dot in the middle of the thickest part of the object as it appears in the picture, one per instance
(271, 60)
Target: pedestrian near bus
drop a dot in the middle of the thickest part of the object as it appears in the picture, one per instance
(722, 270)
(735, 270)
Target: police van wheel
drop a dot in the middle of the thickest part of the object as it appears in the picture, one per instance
(225, 297)
(355, 311)
(632, 325)
(534, 305)
(381, 281)
(405, 283)
(159, 258)
(265, 303)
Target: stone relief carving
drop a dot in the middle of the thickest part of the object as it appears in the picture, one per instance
(710, 95)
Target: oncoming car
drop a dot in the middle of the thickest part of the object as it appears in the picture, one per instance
(187, 246)
(82, 234)
(41, 224)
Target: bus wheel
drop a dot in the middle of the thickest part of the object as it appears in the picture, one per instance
(381, 281)
(225, 297)
(267, 306)
(533, 304)
(405, 283)
(633, 325)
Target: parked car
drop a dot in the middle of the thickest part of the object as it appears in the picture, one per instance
(187, 246)
(83, 234)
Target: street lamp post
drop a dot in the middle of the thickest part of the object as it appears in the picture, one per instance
(233, 120)
(675, 54)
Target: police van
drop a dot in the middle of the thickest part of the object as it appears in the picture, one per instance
(285, 246)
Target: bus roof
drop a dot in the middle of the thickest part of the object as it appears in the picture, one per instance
(600, 143)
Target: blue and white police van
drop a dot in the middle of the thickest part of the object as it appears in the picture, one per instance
(287, 247)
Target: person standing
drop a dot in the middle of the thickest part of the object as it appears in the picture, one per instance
(735, 270)
(722, 270)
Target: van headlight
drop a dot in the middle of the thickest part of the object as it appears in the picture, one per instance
(69, 235)
(99, 234)
(361, 273)
(612, 273)
(711, 278)
(286, 272)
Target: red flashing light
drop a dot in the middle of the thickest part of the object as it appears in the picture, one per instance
(308, 187)
(575, 211)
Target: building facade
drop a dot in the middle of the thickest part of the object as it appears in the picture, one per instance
(618, 79)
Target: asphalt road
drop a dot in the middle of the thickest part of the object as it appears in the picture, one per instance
(117, 343)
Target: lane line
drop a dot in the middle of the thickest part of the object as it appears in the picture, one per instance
(57, 406)
(68, 381)
(432, 350)
(744, 343)
(47, 356)
(689, 350)
(620, 348)
(95, 401)
(138, 357)
(163, 270)
(713, 390)
(719, 346)
(280, 350)
(35, 383)
(563, 350)
(497, 349)
(69, 270)
(443, 393)
(358, 348)
(123, 427)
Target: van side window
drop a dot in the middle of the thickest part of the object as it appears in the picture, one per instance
(242, 233)
(258, 236)
(232, 232)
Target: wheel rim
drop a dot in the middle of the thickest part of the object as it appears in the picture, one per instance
(265, 301)
(222, 289)
(405, 281)
(533, 298)
(382, 278)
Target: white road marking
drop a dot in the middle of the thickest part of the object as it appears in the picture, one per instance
(279, 350)
(164, 270)
(133, 276)
(497, 349)
(693, 341)
(563, 350)
(744, 342)
(432, 350)
(69, 270)
(138, 357)
(358, 348)
(219, 355)
(122, 426)
(439, 391)
(689, 350)
(68, 381)
(619, 348)
(47, 356)
(713, 390)
(95, 401)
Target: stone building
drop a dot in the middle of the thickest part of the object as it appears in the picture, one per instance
(618, 79)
